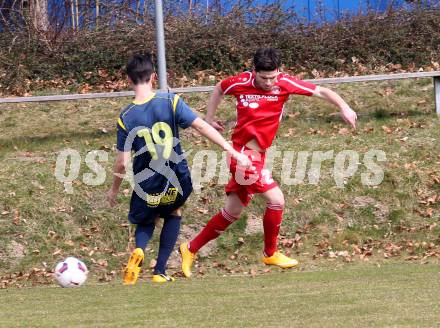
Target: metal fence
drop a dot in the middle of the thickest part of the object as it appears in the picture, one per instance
(435, 75)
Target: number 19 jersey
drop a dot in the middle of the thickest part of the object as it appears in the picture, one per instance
(150, 129)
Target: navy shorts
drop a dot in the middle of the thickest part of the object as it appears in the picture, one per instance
(145, 211)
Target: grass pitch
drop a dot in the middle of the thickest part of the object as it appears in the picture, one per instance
(398, 295)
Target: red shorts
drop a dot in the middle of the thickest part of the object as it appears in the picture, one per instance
(246, 183)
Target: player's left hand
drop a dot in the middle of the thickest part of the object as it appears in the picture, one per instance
(111, 197)
(349, 116)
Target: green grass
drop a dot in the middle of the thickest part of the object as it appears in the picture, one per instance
(39, 219)
(403, 295)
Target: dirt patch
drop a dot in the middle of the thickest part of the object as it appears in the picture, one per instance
(174, 260)
(254, 225)
(14, 253)
(381, 211)
(363, 201)
(27, 157)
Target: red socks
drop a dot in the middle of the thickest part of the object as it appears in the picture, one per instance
(219, 222)
(212, 230)
(271, 223)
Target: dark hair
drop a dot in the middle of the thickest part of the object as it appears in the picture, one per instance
(267, 59)
(140, 68)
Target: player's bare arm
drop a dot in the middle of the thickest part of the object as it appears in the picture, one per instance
(211, 133)
(214, 102)
(347, 114)
(119, 169)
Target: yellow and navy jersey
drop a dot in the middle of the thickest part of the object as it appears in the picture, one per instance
(150, 129)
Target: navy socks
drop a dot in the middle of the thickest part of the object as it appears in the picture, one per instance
(168, 238)
(143, 235)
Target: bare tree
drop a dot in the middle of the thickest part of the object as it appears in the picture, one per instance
(39, 14)
(138, 5)
(72, 14)
(76, 14)
(97, 13)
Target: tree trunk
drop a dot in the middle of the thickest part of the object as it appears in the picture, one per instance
(97, 14)
(76, 14)
(72, 14)
(39, 15)
(138, 5)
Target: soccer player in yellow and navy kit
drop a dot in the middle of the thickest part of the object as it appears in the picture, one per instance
(149, 127)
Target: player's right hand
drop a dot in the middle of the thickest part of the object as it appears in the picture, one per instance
(217, 125)
(242, 160)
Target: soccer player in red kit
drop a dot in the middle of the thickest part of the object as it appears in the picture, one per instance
(261, 95)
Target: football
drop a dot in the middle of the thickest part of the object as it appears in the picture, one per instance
(71, 272)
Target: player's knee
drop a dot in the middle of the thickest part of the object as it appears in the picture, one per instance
(277, 202)
(234, 212)
(177, 212)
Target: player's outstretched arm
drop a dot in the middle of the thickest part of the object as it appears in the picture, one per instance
(348, 115)
(119, 169)
(212, 134)
(214, 102)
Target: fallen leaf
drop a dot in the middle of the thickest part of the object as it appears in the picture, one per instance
(69, 242)
(16, 219)
(429, 212)
(344, 131)
(103, 263)
(102, 73)
(290, 133)
(202, 210)
(57, 252)
(293, 115)
(435, 179)
(387, 129)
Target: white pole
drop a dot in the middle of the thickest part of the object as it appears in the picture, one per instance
(437, 94)
(160, 40)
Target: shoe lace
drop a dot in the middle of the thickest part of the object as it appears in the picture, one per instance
(165, 276)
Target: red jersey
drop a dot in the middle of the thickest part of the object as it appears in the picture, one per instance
(258, 111)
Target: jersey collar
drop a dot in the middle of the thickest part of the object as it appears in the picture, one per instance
(141, 102)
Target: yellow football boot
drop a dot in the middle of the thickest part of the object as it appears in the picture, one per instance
(161, 278)
(133, 267)
(280, 260)
(187, 259)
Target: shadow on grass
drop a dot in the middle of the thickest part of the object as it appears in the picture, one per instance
(376, 115)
